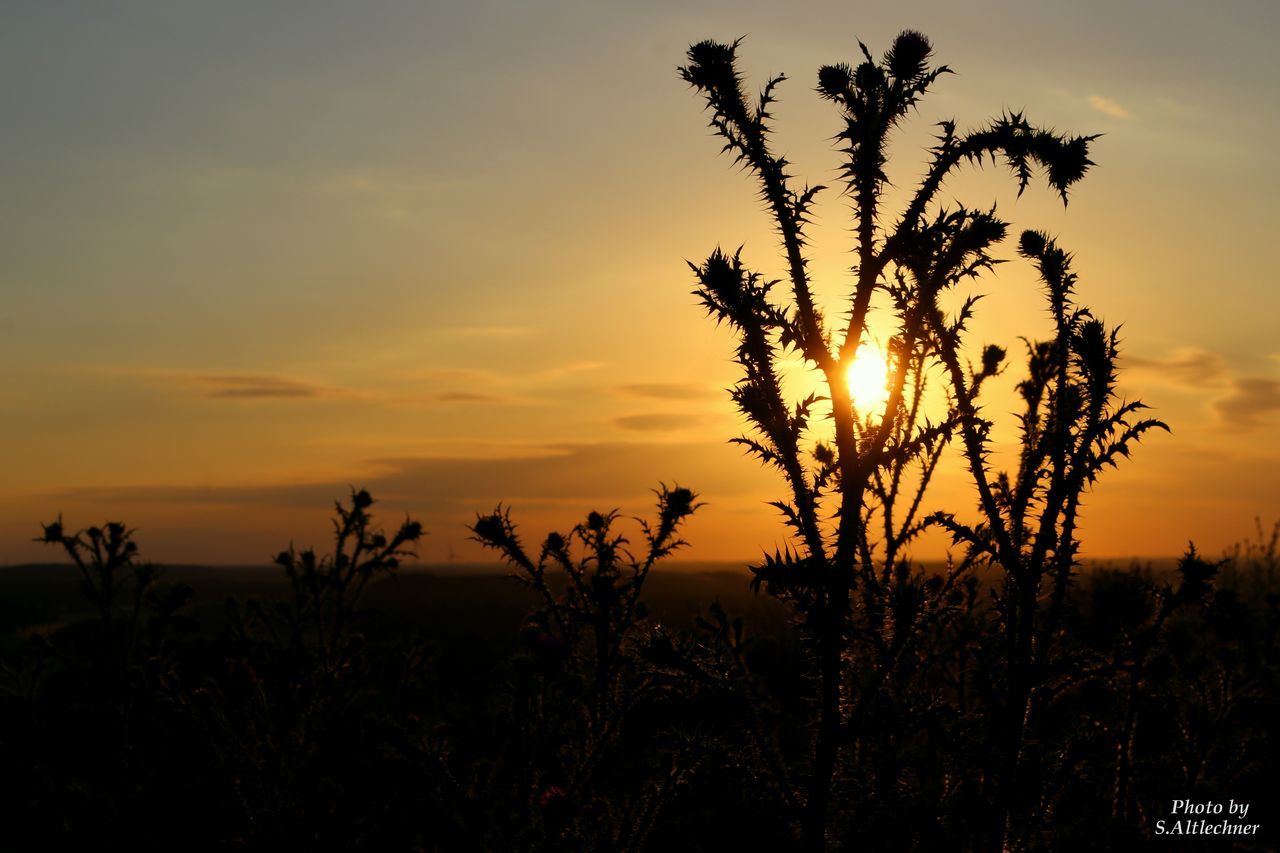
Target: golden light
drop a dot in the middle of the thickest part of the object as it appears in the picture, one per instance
(868, 379)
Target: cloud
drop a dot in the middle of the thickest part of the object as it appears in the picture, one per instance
(655, 422)
(465, 397)
(665, 391)
(251, 387)
(457, 375)
(1246, 401)
(264, 387)
(243, 522)
(484, 331)
(552, 374)
(586, 474)
(1249, 402)
(226, 386)
(1106, 106)
(1187, 366)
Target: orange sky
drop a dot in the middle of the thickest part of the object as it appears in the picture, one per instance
(253, 255)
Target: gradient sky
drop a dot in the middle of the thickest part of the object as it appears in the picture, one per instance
(252, 253)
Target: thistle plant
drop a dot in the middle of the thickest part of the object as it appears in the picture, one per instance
(299, 708)
(123, 589)
(327, 589)
(90, 693)
(857, 481)
(582, 676)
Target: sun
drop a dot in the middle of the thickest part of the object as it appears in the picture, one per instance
(868, 379)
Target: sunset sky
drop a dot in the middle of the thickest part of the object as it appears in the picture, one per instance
(253, 253)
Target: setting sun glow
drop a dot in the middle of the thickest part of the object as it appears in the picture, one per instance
(868, 379)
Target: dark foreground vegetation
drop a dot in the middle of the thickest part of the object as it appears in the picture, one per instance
(595, 706)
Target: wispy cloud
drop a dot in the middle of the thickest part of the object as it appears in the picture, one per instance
(585, 473)
(234, 386)
(460, 375)
(1188, 366)
(484, 331)
(465, 397)
(1249, 403)
(254, 387)
(665, 391)
(1107, 106)
(655, 422)
(572, 368)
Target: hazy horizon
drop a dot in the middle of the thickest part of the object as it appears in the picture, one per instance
(675, 564)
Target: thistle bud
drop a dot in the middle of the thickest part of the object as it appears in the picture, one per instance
(907, 57)
(834, 80)
(678, 502)
(711, 68)
(868, 77)
(992, 358)
(490, 529)
(1032, 244)
(52, 532)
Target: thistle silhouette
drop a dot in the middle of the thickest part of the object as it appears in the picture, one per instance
(856, 486)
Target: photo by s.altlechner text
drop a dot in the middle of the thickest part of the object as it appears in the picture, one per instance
(1188, 817)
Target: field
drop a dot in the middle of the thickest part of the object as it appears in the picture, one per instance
(429, 726)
